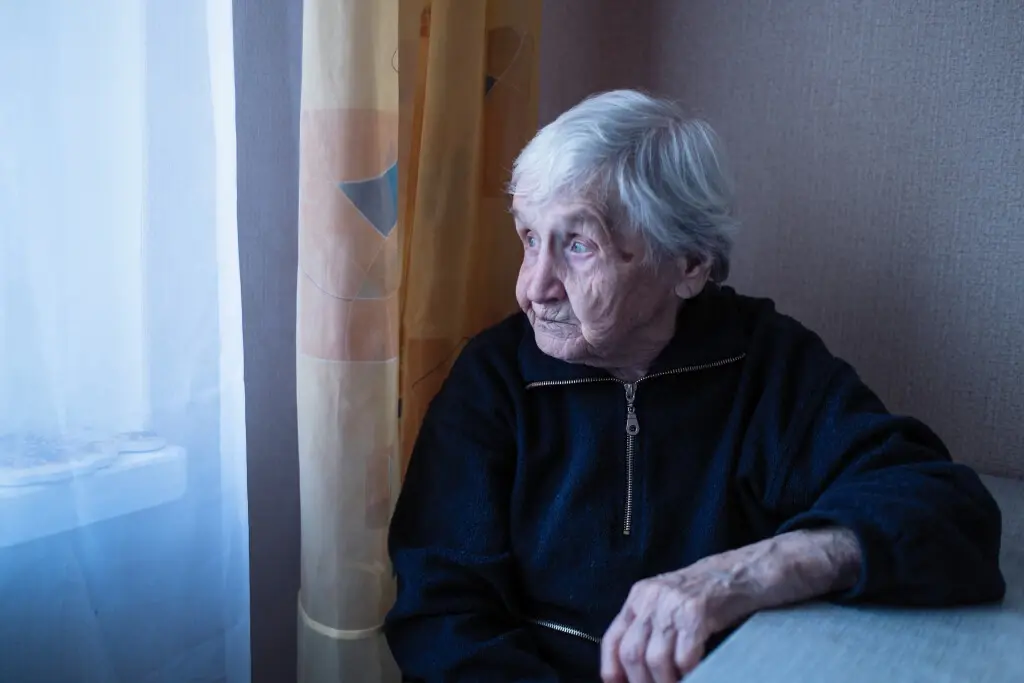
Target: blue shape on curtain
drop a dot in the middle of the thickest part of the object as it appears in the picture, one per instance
(489, 82)
(376, 198)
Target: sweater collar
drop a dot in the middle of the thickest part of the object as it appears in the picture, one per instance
(709, 329)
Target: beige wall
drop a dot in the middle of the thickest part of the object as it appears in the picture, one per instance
(879, 150)
(592, 45)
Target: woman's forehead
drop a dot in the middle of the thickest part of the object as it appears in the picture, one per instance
(558, 212)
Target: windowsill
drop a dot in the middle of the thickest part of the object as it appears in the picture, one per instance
(136, 481)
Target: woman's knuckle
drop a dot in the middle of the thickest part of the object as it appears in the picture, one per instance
(695, 605)
(632, 654)
(657, 654)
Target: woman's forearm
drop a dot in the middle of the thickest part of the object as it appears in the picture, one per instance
(785, 569)
(809, 564)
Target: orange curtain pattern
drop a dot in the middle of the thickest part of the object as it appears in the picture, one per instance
(347, 336)
(468, 104)
(412, 112)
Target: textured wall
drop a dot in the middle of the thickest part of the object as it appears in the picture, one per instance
(592, 45)
(879, 151)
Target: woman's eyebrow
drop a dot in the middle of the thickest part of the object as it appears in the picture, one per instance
(581, 217)
(578, 217)
(591, 219)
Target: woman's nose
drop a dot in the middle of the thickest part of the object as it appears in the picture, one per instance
(545, 285)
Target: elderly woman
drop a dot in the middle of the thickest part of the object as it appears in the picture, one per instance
(616, 476)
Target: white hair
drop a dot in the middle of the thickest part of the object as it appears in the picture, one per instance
(646, 165)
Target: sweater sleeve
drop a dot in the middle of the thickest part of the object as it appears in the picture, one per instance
(454, 616)
(928, 528)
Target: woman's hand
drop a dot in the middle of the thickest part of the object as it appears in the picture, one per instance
(660, 634)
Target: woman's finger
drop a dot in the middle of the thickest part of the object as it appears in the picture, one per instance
(633, 650)
(611, 667)
(689, 650)
(661, 649)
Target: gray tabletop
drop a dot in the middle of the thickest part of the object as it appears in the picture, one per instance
(821, 642)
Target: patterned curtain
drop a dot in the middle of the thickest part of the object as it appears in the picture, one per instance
(468, 105)
(347, 335)
(431, 159)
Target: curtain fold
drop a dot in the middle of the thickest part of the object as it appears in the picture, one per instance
(469, 91)
(406, 249)
(347, 335)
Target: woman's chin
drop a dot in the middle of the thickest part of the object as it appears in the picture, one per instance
(565, 344)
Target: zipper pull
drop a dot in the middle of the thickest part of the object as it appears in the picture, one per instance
(632, 424)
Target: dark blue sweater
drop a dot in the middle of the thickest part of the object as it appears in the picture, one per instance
(528, 510)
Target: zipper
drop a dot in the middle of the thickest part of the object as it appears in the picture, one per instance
(632, 423)
(567, 630)
(632, 429)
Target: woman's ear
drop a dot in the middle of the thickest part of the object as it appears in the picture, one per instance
(693, 275)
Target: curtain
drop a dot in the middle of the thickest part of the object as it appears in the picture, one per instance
(468, 105)
(123, 513)
(347, 335)
(405, 250)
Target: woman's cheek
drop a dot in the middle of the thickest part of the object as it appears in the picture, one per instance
(587, 301)
(522, 283)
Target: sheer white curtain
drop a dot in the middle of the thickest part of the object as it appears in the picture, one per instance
(123, 521)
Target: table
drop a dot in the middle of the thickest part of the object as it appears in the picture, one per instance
(826, 643)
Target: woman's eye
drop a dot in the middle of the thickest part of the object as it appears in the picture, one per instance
(578, 247)
(531, 241)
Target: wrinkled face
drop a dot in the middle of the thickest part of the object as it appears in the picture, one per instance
(586, 289)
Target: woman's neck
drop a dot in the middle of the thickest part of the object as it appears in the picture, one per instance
(648, 343)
